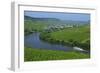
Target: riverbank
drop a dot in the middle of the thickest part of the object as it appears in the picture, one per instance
(34, 54)
(77, 36)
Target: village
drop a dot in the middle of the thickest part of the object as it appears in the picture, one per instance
(55, 27)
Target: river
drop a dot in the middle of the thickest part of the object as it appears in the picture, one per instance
(34, 41)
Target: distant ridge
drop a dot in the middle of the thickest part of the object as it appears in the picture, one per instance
(40, 19)
(56, 21)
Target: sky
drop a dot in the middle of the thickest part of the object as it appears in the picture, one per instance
(59, 15)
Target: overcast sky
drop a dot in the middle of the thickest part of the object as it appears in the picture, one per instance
(59, 15)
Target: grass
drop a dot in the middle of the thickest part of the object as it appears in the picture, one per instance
(78, 34)
(31, 54)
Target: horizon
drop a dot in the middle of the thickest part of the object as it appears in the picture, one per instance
(59, 15)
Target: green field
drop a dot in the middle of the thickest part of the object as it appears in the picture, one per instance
(31, 54)
(76, 36)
